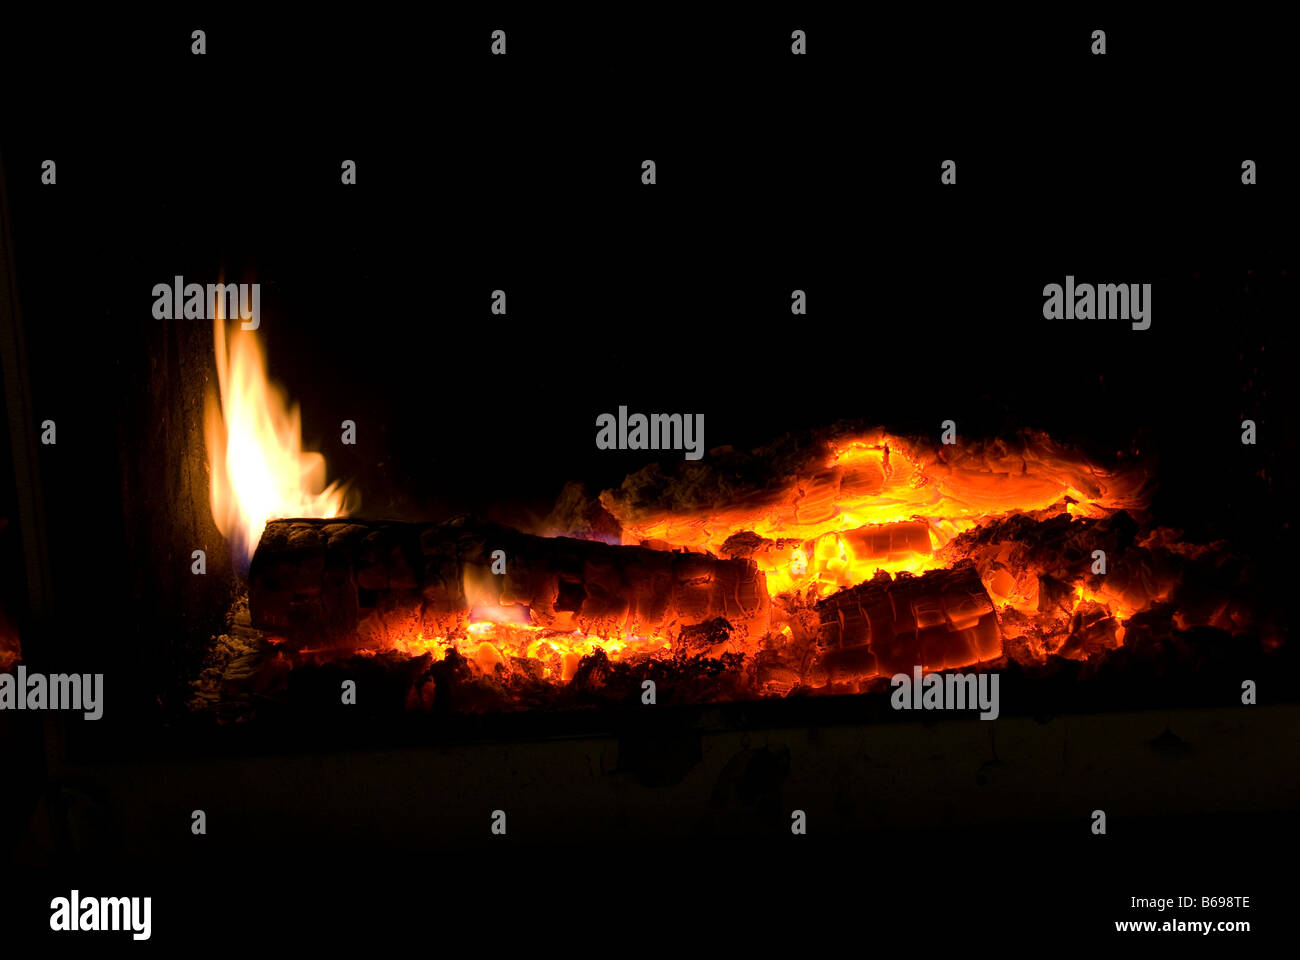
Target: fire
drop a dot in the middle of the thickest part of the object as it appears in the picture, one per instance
(882, 502)
(880, 479)
(254, 435)
(488, 643)
(863, 554)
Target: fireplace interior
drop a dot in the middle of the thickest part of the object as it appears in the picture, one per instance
(427, 593)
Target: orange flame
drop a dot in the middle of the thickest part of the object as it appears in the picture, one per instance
(254, 434)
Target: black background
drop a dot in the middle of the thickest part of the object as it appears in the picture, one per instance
(774, 173)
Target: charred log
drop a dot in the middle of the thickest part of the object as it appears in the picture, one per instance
(369, 584)
(941, 619)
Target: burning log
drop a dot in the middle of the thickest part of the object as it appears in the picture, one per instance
(842, 477)
(375, 584)
(941, 619)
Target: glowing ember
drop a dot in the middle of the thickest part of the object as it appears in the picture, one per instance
(254, 435)
(881, 502)
(979, 546)
(489, 643)
(883, 479)
(872, 549)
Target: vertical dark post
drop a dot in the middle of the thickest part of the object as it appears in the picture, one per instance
(22, 428)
